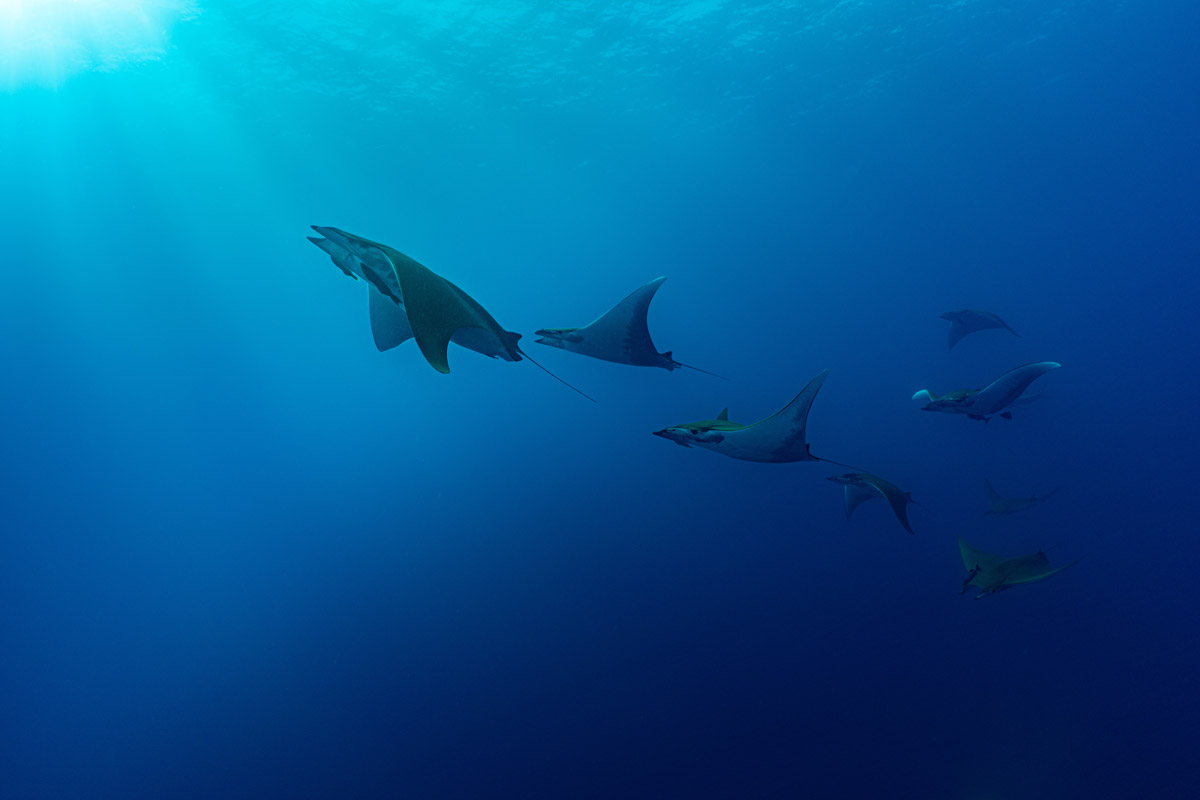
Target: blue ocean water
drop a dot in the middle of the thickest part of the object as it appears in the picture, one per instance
(244, 554)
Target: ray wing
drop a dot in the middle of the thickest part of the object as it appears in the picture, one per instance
(977, 559)
(439, 312)
(1030, 568)
(1028, 398)
(855, 496)
(1004, 391)
(389, 322)
(621, 334)
(971, 321)
(780, 437)
(996, 503)
(896, 497)
(1006, 326)
(957, 331)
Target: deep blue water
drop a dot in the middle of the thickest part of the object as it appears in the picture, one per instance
(244, 555)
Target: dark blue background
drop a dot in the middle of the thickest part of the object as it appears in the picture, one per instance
(245, 555)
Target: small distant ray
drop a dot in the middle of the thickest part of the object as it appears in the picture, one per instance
(995, 399)
(967, 320)
(1001, 506)
(863, 486)
(409, 301)
(779, 438)
(991, 573)
(620, 335)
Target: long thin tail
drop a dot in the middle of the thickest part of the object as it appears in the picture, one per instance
(552, 375)
(838, 463)
(697, 369)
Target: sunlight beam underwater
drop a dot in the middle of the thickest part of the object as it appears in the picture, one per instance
(44, 42)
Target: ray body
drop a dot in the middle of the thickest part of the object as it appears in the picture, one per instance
(957, 395)
(1000, 506)
(863, 486)
(992, 573)
(620, 335)
(359, 258)
(997, 398)
(779, 438)
(413, 302)
(966, 321)
(389, 321)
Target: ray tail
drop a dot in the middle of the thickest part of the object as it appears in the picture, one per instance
(552, 375)
(697, 369)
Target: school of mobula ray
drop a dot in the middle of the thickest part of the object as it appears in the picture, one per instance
(407, 300)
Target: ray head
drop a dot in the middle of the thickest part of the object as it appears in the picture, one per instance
(557, 337)
(946, 403)
(688, 435)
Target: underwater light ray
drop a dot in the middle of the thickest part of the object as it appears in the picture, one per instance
(44, 42)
